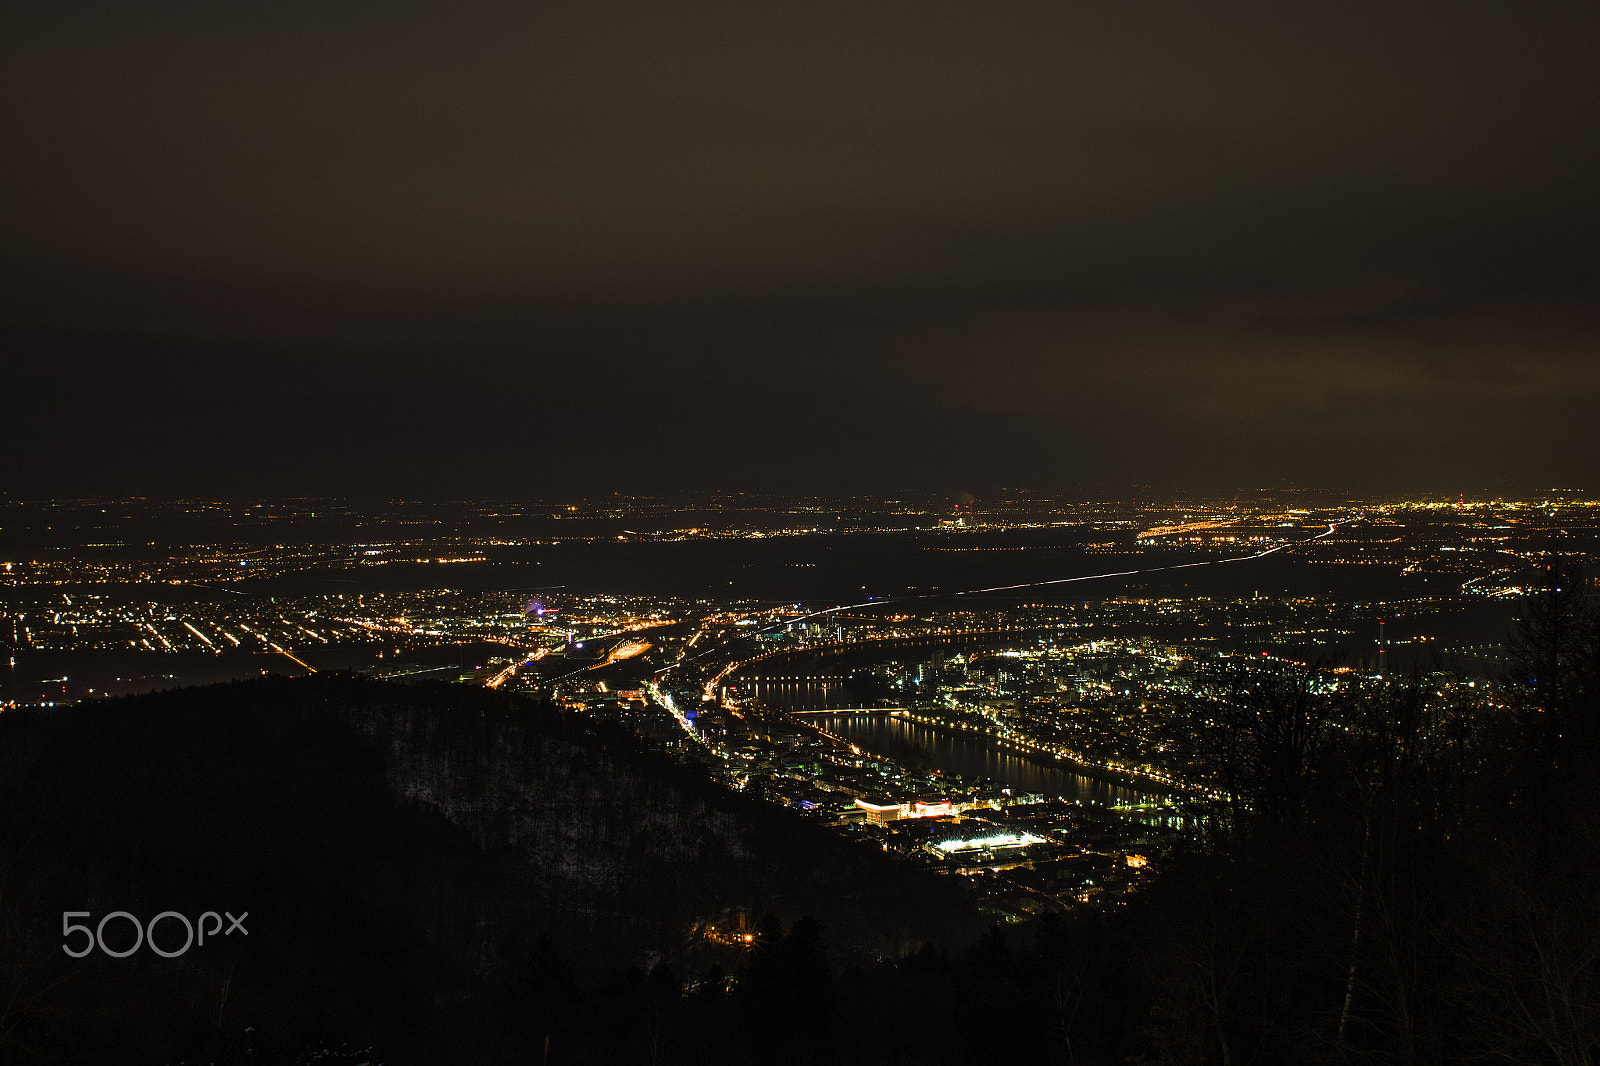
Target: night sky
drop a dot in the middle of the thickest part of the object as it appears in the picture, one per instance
(518, 249)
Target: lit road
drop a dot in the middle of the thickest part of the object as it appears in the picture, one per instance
(664, 700)
(511, 671)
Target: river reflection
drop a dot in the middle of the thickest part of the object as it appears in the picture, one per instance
(797, 695)
(974, 756)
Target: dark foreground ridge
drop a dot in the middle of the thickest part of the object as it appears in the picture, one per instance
(405, 856)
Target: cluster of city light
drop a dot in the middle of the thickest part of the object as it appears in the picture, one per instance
(1014, 839)
(626, 650)
(1163, 531)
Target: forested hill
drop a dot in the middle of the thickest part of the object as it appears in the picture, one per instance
(400, 852)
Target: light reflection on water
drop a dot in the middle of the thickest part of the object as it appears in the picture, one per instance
(797, 695)
(973, 756)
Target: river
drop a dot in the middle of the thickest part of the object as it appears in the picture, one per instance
(975, 756)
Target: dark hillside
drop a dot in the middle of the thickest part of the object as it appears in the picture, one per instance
(398, 850)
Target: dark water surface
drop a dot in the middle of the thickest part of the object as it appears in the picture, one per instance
(975, 756)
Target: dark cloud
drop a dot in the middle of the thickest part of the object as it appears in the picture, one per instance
(1167, 242)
